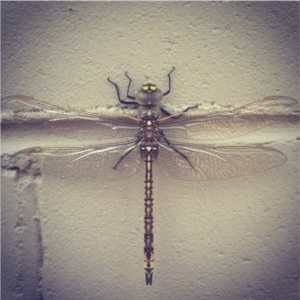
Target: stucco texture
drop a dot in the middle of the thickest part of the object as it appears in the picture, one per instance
(74, 240)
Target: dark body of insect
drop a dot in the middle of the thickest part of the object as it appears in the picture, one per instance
(175, 143)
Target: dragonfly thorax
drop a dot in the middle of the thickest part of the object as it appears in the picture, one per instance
(149, 135)
(149, 94)
(149, 112)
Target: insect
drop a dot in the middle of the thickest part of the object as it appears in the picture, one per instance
(173, 142)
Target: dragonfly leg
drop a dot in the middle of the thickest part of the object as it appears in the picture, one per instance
(128, 88)
(167, 113)
(190, 107)
(175, 149)
(169, 76)
(123, 156)
(118, 93)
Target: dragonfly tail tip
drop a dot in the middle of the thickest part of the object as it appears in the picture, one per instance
(149, 277)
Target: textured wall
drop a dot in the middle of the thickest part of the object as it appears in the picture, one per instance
(231, 239)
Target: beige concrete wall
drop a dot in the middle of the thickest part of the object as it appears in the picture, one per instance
(231, 239)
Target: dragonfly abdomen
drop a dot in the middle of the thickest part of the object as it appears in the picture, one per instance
(148, 152)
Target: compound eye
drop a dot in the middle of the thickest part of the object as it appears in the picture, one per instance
(145, 87)
(152, 87)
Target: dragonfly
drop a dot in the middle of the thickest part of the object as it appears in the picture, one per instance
(176, 143)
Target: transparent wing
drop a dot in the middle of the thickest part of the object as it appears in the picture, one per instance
(21, 105)
(227, 124)
(80, 124)
(213, 163)
(93, 163)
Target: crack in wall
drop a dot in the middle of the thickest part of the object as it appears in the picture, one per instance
(27, 253)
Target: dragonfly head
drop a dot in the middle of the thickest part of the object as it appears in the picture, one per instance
(149, 94)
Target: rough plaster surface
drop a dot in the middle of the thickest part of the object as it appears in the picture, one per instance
(232, 239)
